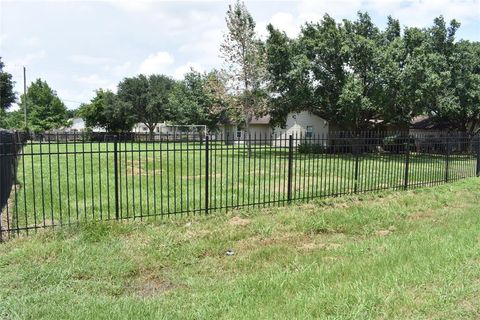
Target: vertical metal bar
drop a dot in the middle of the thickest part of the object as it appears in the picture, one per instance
(355, 187)
(407, 164)
(115, 169)
(290, 158)
(477, 150)
(206, 173)
(447, 156)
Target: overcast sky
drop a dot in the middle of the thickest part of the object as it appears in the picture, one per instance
(79, 46)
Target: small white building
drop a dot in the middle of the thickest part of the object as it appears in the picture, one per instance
(77, 125)
(301, 125)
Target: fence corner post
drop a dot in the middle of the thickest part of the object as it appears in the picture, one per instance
(290, 168)
(207, 178)
(407, 164)
(115, 166)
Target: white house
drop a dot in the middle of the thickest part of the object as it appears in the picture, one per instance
(301, 125)
(77, 125)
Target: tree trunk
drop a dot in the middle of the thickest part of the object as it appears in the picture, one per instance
(151, 130)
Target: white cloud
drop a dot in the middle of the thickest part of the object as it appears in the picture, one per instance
(156, 63)
(14, 65)
(182, 70)
(93, 80)
(132, 5)
(205, 46)
(120, 70)
(3, 39)
(89, 60)
(421, 13)
(30, 41)
(285, 22)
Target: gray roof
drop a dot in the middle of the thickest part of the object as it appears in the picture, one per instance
(261, 120)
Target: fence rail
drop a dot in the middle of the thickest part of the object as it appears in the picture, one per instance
(63, 179)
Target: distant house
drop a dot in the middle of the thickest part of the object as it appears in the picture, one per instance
(165, 130)
(425, 125)
(77, 125)
(301, 125)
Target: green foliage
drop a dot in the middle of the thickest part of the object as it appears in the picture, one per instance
(351, 73)
(45, 111)
(106, 110)
(200, 99)
(7, 94)
(12, 120)
(148, 98)
(399, 143)
(311, 148)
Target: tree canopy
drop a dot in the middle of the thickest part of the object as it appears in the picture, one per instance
(7, 93)
(148, 98)
(200, 99)
(45, 111)
(107, 111)
(352, 73)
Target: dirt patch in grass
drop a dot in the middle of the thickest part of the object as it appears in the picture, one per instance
(299, 241)
(385, 232)
(150, 285)
(138, 168)
(310, 246)
(420, 215)
(237, 221)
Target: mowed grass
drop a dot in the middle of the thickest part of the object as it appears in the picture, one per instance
(393, 255)
(61, 183)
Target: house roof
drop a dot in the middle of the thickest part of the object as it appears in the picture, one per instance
(261, 120)
(265, 119)
(426, 122)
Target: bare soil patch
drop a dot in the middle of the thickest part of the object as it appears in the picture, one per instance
(237, 221)
(150, 285)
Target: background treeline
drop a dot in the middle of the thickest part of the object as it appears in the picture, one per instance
(352, 73)
(360, 77)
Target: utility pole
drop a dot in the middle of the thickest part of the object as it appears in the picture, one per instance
(25, 95)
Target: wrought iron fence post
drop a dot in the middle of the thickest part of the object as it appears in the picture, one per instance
(355, 190)
(478, 157)
(290, 167)
(447, 160)
(407, 164)
(206, 173)
(115, 166)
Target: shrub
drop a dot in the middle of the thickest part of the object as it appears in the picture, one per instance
(313, 148)
(397, 143)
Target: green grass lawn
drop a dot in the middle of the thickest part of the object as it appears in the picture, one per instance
(62, 183)
(393, 255)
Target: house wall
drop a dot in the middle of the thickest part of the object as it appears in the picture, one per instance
(260, 133)
(296, 125)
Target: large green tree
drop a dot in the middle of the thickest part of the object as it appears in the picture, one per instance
(200, 99)
(13, 120)
(7, 93)
(107, 111)
(45, 110)
(352, 73)
(452, 77)
(148, 97)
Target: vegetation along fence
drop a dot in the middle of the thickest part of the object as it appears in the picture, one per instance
(58, 179)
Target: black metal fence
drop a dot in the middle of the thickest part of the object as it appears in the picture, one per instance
(60, 179)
